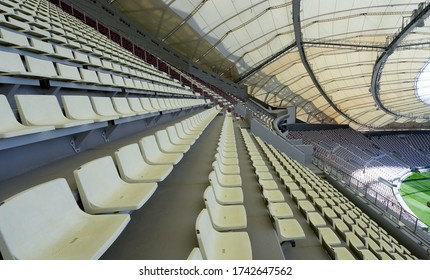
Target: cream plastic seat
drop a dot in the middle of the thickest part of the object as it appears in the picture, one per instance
(168, 147)
(133, 167)
(146, 104)
(227, 180)
(121, 106)
(153, 155)
(103, 106)
(136, 105)
(224, 217)
(280, 210)
(225, 196)
(216, 245)
(45, 222)
(103, 191)
(227, 169)
(182, 134)
(44, 110)
(10, 127)
(289, 230)
(78, 107)
(175, 139)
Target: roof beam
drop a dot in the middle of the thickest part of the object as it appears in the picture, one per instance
(299, 42)
(267, 61)
(196, 9)
(380, 62)
(344, 45)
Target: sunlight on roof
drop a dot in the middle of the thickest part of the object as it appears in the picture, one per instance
(423, 84)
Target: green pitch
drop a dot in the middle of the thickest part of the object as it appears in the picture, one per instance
(415, 190)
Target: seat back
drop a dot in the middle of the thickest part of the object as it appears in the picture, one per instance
(130, 161)
(96, 181)
(206, 234)
(89, 76)
(34, 217)
(7, 118)
(150, 150)
(68, 72)
(121, 105)
(39, 109)
(135, 104)
(11, 63)
(163, 140)
(173, 135)
(146, 104)
(78, 107)
(103, 106)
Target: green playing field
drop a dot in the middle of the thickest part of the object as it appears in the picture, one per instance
(415, 190)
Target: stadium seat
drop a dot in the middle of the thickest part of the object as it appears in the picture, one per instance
(225, 196)
(289, 230)
(78, 107)
(175, 139)
(122, 106)
(10, 127)
(103, 106)
(224, 217)
(153, 155)
(216, 245)
(103, 191)
(227, 180)
(280, 210)
(166, 146)
(133, 167)
(44, 110)
(45, 222)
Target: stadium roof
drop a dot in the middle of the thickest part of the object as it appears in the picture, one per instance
(350, 62)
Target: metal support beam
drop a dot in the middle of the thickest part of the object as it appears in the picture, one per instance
(265, 62)
(380, 62)
(299, 42)
(196, 9)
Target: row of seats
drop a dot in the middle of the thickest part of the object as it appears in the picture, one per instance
(334, 219)
(219, 226)
(81, 50)
(45, 222)
(43, 112)
(287, 227)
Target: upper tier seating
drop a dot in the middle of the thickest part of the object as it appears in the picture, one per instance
(44, 110)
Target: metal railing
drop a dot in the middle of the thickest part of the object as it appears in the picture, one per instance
(390, 207)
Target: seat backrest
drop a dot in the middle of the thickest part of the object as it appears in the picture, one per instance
(130, 161)
(155, 104)
(14, 38)
(34, 217)
(96, 181)
(121, 105)
(103, 106)
(40, 67)
(39, 109)
(89, 76)
(146, 104)
(105, 78)
(68, 72)
(173, 134)
(163, 140)
(150, 150)
(211, 204)
(7, 118)
(78, 107)
(206, 234)
(11, 62)
(135, 104)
